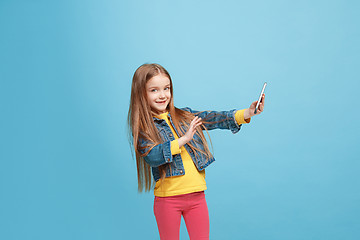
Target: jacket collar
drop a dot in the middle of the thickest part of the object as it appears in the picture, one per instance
(160, 120)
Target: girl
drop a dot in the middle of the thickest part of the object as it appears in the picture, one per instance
(170, 145)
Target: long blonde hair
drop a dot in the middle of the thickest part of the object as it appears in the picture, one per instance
(141, 124)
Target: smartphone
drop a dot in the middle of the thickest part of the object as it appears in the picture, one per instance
(262, 92)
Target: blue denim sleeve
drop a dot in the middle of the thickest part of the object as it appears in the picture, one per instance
(217, 119)
(160, 154)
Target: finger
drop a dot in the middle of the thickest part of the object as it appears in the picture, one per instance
(193, 120)
(253, 105)
(197, 121)
(198, 124)
(194, 125)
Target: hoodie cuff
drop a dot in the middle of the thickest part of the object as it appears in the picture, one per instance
(239, 116)
(175, 147)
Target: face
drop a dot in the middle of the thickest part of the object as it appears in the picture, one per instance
(158, 93)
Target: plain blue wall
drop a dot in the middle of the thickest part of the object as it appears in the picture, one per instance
(66, 169)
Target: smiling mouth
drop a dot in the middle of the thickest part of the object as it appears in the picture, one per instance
(162, 102)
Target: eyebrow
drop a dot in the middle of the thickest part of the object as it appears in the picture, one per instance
(168, 85)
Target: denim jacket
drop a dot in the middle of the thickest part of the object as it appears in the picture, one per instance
(161, 153)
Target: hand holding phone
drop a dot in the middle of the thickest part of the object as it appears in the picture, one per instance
(260, 98)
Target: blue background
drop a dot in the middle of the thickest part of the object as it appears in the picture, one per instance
(66, 168)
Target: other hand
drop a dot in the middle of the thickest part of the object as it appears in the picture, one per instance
(192, 128)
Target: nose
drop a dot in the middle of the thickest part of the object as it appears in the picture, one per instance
(162, 94)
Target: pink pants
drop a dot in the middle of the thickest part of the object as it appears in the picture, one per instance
(192, 206)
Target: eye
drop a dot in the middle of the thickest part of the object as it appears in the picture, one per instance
(167, 88)
(153, 90)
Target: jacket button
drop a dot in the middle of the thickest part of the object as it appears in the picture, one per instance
(181, 171)
(170, 135)
(168, 159)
